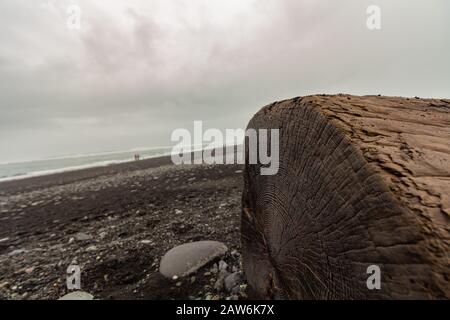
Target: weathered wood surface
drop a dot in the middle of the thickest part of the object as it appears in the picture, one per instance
(362, 181)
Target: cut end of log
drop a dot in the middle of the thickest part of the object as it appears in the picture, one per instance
(362, 182)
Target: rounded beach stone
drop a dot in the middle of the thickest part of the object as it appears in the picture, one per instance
(188, 258)
(77, 295)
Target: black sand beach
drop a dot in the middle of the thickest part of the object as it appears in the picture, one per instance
(116, 222)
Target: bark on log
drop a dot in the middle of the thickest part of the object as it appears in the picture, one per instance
(362, 181)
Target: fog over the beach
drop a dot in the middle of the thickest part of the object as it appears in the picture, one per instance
(139, 69)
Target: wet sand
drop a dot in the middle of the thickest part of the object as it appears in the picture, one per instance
(116, 222)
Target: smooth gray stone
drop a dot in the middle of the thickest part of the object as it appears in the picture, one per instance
(232, 280)
(81, 236)
(77, 295)
(188, 258)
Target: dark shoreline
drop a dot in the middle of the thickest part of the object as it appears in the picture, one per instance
(31, 183)
(132, 213)
(19, 185)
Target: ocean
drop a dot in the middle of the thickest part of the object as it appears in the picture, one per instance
(20, 170)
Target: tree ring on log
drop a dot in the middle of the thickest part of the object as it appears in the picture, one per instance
(358, 185)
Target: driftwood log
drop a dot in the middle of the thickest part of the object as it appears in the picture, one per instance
(362, 181)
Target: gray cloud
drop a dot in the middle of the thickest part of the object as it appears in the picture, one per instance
(139, 69)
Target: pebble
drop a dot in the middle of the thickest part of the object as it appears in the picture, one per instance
(29, 270)
(146, 241)
(17, 252)
(77, 295)
(188, 258)
(232, 280)
(222, 265)
(81, 236)
(219, 284)
(4, 239)
(91, 249)
(214, 269)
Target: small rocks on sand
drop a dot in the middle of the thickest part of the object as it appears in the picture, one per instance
(188, 258)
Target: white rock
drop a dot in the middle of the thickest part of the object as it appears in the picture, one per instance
(17, 252)
(77, 295)
(91, 249)
(222, 265)
(188, 258)
(81, 236)
(232, 281)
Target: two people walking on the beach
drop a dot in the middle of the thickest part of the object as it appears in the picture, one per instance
(136, 157)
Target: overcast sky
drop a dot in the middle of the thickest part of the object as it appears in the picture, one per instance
(139, 69)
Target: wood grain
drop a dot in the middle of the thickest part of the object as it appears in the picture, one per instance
(362, 181)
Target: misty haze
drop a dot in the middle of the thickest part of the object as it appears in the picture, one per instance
(228, 150)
